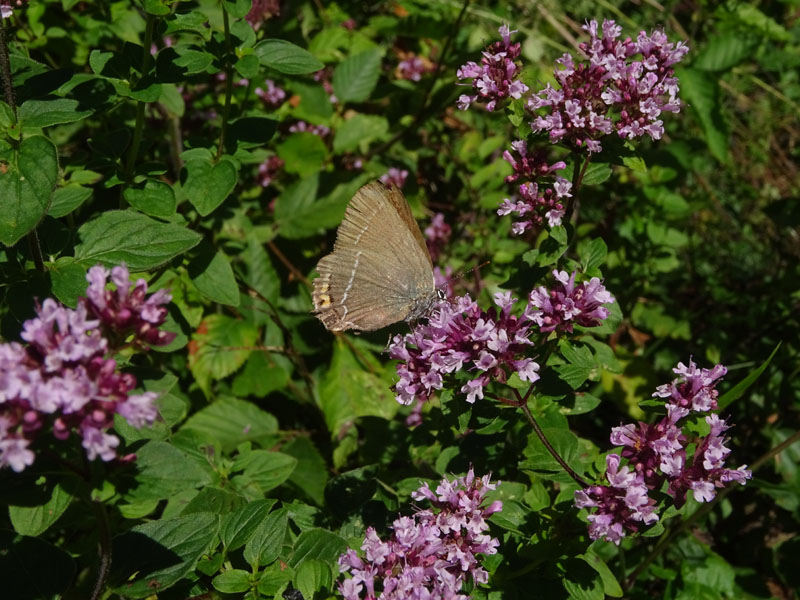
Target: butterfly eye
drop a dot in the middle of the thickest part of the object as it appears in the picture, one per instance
(440, 293)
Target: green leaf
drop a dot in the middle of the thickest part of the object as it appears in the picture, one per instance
(596, 173)
(67, 280)
(260, 274)
(35, 520)
(356, 77)
(239, 527)
(264, 468)
(539, 459)
(28, 177)
(193, 22)
(580, 365)
(220, 346)
(109, 64)
(156, 7)
(7, 117)
(154, 556)
(303, 153)
(317, 544)
(207, 185)
(213, 500)
(635, 162)
(702, 93)
(230, 422)
(552, 247)
(724, 51)
(315, 103)
(274, 580)
(44, 113)
(611, 586)
(187, 59)
(154, 198)
(163, 470)
(358, 131)
(213, 277)
(581, 581)
(348, 391)
(737, 391)
(266, 544)
(287, 58)
(237, 8)
(593, 254)
(312, 575)
(234, 581)
(311, 472)
(250, 132)
(127, 236)
(66, 199)
(715, 573)
(263, 373)
(247, 66)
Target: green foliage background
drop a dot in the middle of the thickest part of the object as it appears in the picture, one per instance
(280, 443)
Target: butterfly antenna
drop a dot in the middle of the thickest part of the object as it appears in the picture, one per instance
(467, 272)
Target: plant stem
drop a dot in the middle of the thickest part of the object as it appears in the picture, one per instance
(10, 99)
(5, 70)
(226, 111)
(138, 129)
(104, 542)
(578, 173)
(523, 404)
(700, 513)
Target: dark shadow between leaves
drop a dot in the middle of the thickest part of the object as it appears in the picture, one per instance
(136, 554)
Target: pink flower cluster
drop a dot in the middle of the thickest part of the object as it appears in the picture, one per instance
(458, 335)
(271, 94)
(268, 170)
(431, 554)
(535, 202)
(495, 78)
(64, 377)
(437, 235)
(568, 304)
(492, 344)
(318, 130)
(413, 67)
(657, 453)
(261, 11)
(394, 177)
(623, 86)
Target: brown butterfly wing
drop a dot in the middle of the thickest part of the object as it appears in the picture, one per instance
(379, 266)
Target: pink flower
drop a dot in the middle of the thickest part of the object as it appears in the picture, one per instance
(272, 95)
(394, 177)
(430, 554)
(568, 303)
(437, 235)
(657, 454)
(623, 85)
(63, 376)
(460, 336)
(495, 78)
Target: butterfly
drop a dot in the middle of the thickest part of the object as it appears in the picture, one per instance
(380, 270)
